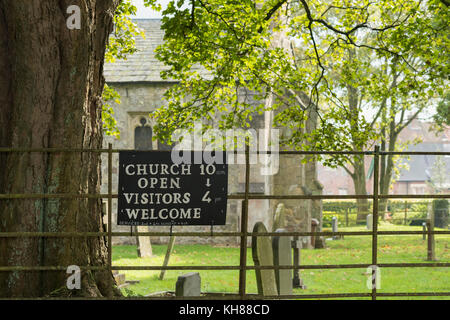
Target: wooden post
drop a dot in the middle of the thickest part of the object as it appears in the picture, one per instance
(430, 244)
(314, 226)
(346, 217)
(167, 257)
(244, 227)
(406, 212)
(375, 220)
(110, 276)
(296, 281)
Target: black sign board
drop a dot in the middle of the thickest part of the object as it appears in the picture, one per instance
(153, 190)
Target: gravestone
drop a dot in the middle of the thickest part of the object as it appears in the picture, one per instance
(188, 285)
(279, 217)
(369, 222)
(424, 229)
(320, 243)
(119, 277)
(297, 282)
(334, 227)
(144, 246)
(317, 242)
(263, 256)
(314, 227)
(282, 256)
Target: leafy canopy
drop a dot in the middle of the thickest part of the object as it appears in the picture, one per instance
(216, 48)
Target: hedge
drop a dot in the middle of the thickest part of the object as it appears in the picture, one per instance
(416, 211)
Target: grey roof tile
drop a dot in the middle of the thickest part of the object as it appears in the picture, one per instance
(141, 66)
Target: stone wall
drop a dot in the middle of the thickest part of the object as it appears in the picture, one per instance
(137, 102)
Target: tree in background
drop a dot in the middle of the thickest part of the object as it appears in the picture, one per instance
(439, 175)
(390, 56)
(122, 43)
(442, 116)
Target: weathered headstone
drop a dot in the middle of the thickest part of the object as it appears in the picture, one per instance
(320, 243)
(334, 227)
(263, 256)
(188, 285)
(279, 218)
(424, 229)
(369, 222)
(314, 227)
(282, 256)
(317, 242)
(119, 277)
(143, 243)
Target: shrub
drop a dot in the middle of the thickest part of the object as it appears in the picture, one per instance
(417, 210)
(440, 211)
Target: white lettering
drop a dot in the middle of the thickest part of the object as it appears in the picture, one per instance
(127, 171)
(74, 20)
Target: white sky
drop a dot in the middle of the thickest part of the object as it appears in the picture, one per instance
(147, 13)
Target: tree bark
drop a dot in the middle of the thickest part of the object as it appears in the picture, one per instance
(50, 96)
(359, 173)
(359, 182)
(387, 167)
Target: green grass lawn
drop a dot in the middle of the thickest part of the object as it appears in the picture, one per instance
(351, 250)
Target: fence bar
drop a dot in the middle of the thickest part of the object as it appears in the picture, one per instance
(250, 296)
(243, 234)
(233, 196)
(110, 276)
(335, 196)
(375, 221)
(236, 267)
(244, 228)
(290, 152)
(206, 234)
(56, 196)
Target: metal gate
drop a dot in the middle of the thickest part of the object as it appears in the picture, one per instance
(243, 234)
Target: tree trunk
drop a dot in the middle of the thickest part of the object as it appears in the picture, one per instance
(359, 172)
(50, 96)
(385, 183)
(359, 182)
(387, 167)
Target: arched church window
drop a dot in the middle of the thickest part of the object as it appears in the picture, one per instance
(143, 136)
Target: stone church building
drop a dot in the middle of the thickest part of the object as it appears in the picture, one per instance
(141, 88)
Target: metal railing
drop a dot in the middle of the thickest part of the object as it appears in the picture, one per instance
(243, 234)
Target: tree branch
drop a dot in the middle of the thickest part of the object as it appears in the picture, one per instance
(401, 127)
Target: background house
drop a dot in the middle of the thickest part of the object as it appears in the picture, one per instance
(416, 172)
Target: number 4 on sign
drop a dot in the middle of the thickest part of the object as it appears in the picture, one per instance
(206, 198)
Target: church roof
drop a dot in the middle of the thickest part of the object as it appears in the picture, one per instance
(141, 66)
